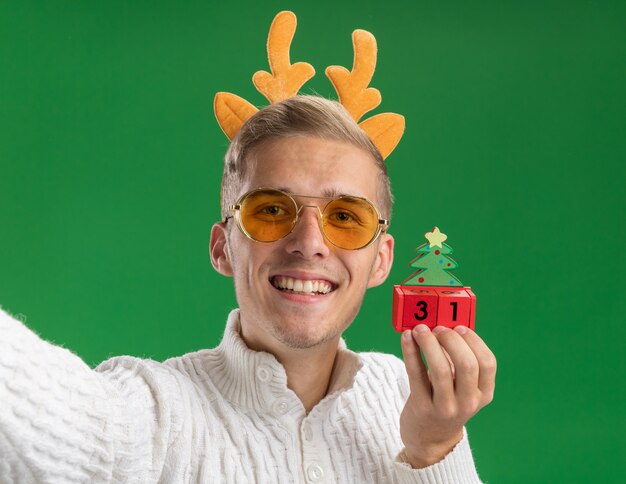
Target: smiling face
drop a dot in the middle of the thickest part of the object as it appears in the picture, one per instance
(301, 291)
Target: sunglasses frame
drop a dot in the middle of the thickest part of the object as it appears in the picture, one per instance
(383, 224)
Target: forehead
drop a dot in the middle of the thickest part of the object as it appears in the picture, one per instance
(313, 166)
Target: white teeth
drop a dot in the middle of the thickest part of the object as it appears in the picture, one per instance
(302, 286)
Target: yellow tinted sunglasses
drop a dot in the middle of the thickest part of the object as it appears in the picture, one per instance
(347, 222)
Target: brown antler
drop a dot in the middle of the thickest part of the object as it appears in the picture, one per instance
(386, 129)
(231, 112)
(351, 86)
(286, 78)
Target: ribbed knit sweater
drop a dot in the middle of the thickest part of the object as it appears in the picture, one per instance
(217, 415)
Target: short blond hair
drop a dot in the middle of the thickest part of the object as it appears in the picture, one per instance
(298, 116)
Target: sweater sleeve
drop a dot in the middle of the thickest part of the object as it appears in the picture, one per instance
(64, 422)
(457, 467)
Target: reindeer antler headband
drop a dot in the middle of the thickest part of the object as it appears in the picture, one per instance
(384, 130)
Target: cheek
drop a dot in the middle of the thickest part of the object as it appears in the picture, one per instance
(249, 260)
(360, 269)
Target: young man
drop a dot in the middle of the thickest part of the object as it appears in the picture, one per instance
(305, 202)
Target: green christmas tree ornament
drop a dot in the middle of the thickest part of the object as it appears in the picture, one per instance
(432, 295)
(433, 263)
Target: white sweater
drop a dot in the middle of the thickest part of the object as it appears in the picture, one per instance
(218, 415)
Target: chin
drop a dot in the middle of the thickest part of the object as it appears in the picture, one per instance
(302, 342)
(305, 335)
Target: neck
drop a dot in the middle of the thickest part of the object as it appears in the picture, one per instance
(308, 370)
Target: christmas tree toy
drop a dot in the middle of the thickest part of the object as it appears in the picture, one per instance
(432, 295)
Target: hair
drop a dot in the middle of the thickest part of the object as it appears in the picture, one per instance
(298, 116)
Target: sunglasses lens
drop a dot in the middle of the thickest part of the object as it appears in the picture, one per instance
(350, 223)
(267, 215)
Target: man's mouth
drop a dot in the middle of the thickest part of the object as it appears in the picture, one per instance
(300, 286)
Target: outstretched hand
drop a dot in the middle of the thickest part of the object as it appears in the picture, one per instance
(460, 380)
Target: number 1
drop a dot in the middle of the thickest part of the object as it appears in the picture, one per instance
(453, 310)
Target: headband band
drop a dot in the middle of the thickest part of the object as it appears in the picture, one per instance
(285, 79)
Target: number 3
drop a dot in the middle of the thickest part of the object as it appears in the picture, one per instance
(423, 307)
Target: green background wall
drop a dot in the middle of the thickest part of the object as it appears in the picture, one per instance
(110, 163)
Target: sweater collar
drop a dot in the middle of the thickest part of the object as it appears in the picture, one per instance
(255, 379)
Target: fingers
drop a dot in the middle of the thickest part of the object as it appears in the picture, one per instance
(439, 369)
(461, 366)
(415, 368)
(474, 363)
(465, 364)
(487, 364)
(449, 361)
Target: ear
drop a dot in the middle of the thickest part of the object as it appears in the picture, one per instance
(383, 262)
(219, 249)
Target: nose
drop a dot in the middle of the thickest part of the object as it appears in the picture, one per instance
(306, 239)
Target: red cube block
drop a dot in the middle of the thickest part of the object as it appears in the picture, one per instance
(420, 307)
(397, 308)
(472, 308)
(454, 307)
(433, 305)
(413, 305)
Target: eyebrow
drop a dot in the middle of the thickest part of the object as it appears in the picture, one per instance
(327, 193)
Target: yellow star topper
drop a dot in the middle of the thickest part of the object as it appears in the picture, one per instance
(435, 238)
